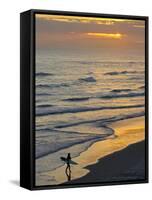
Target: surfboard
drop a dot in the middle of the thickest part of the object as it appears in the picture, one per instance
(70, 161)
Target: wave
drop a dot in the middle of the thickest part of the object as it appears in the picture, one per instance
(142, 87)
(87, 62)
(119, 73)
(77, 99)
(103, 121)
(88, 79)
(39, 74)
(122, 117)
(55, 85)
(121, 90)
(83, 109)
(136, 78)
(111, 96)
(44, 106)
(76, 139)
(42, 94)
(105, 62)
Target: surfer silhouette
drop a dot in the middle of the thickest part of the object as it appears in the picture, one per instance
(68, 168)
(68, 161)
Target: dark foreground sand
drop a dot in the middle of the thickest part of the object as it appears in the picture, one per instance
(127, 164)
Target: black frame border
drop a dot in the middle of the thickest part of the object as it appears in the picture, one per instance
(32, 13)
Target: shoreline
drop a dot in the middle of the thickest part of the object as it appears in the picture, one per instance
(127, 132)
(124, 165)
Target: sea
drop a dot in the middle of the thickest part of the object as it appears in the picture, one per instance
(78, 93)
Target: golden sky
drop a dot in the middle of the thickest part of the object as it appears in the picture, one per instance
(55, 31)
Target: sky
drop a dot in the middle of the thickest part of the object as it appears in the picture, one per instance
(105, 34)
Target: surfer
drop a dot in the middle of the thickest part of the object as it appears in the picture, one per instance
(68, 163)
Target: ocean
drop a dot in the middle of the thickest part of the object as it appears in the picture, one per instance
(77, 90)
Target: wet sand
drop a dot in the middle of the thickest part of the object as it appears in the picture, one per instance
(127, 164)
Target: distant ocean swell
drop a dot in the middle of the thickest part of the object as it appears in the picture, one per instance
(105, 62)
(114, 94)
(89, 79)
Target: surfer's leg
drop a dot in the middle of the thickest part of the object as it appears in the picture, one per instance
(66, 170)
(69, 177)
(69, 168)
(69, 174)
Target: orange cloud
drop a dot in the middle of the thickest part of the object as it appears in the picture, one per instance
(106, 35)
(78, 19)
